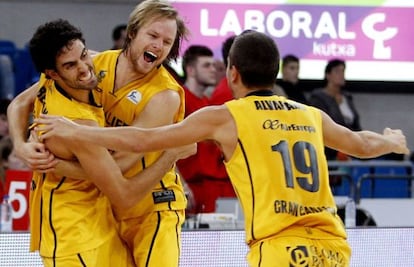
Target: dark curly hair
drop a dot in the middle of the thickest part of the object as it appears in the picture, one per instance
(48, 41)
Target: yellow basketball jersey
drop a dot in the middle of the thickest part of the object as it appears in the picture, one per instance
(67, 215)
(122, 108)
(279, 169)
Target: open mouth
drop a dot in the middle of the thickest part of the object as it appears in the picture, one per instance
(87, 76)
(149, 57)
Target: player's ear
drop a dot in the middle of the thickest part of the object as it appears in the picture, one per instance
(52, 74)
(233, 74)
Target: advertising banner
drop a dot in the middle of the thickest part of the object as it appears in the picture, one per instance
(374, 37)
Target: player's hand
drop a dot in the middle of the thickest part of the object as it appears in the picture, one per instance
(398, 137)
(36, 157)
(55, 126)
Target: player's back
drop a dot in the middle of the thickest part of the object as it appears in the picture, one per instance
(279, 169)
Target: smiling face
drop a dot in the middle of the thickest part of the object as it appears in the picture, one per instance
(152, 44)
(74, 67)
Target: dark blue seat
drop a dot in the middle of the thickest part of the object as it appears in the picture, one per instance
(8, 48)
(6, 77)
(23, 70)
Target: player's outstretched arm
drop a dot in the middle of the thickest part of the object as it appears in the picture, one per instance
(362, 144)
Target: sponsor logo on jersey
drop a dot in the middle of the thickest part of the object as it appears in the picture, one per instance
(271, 124)
(134, 96)
(163, 196)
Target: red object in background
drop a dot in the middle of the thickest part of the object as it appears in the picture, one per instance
(18, 188)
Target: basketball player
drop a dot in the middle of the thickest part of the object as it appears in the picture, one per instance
(139, 91)
(71, 220)
(274, 154)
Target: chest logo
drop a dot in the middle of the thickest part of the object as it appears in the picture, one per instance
(134, 96)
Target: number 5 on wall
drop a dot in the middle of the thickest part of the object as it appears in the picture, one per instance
(18, 188)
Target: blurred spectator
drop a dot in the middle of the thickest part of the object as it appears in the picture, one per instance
(8, 158)
(4, 126)
(222, 92)
(5, 142)
(6, 147)
(220, 69)
(290, 79)
(119, 34)
(203, 172)
(336, 102)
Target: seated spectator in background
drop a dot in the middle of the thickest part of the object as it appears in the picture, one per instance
(222, 93)
(119, 34)
(336, 102)
(289, 83)
(203, 172)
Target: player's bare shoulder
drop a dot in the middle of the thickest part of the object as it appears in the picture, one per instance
(167, 96)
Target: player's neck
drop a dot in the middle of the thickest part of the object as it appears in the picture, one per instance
(81, 95)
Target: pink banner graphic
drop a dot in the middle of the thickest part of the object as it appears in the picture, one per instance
(308, 31)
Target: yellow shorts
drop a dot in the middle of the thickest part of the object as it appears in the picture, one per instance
(292, 251)
(113, 252)
(155, 239)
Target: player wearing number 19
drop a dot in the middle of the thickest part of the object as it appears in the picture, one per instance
(274, 155)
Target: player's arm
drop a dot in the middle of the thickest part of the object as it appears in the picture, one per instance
(209, 123)
(102, 170)
(33, 153)
(160, 110)
(362, 144)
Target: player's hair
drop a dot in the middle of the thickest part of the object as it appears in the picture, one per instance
(149, 10)
(256, 57)
(48, 41)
